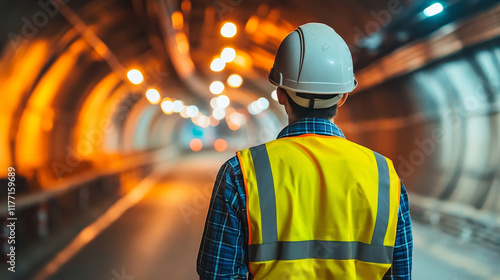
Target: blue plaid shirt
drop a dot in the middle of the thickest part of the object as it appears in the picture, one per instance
(223, 250)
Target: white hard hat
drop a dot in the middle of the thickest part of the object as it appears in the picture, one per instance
(314, 65)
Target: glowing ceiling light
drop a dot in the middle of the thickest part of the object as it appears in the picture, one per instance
(243, 60)
(183, 112)
(153, 96)
(238, 118)
(213, 103)
(274, 95)
(220, 145)
(217, 65)
(167, 106)
(201, 120)
(204, 121)
(223, 102)
(213, 121)
(263, 103)
(254, 108)
(135, 76)
(234, 80)
(182, 43)
(219, 113)
(216, 87)
(228, 30)
(433, 9)
(177, 20)
(192, 111)
(178, 105)
(252, 24)
(196, 145)
(228, 54)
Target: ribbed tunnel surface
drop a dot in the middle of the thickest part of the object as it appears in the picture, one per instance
(116, 116)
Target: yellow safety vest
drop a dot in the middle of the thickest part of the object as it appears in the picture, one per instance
(319, 207)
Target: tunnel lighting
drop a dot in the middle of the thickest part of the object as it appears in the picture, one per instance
(243, 59)
(213, 122)
(186, 6)
(235, 81)
(254, 108)
(135, 76)
(192, 111)
(216, 87)
(220, 145)
(228, 54)
(183, 112)
(213, 103)
(178, 105)
(233, 126)
(263, 103)
(222, 102)
(237, 118)
(433, 9)
(204, 121)
(153, 96)
(252, 24)
(196, 145)
(219, 113)
(228, 30)
(217, 65)
(177, 20)
(182, 43)
(274, 95)
(201, 121)
(167, 106)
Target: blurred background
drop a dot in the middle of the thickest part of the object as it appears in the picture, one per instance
(116, 115)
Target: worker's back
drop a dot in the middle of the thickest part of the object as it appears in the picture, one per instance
(319, 207)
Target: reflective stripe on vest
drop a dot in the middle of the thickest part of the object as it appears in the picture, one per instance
(256, 165)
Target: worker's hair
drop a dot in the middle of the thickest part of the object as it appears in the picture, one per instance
(302, 113)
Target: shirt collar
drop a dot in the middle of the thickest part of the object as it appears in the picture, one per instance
(311, 125)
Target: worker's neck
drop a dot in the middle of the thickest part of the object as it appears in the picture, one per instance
(292, 119)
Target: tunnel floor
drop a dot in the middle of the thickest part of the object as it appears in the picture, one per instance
(159, 237)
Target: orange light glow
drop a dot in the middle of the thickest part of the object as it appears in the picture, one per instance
(31, 136)
(217, 65)
(228, 54)
(153, 96)
(177, 20)
(167, 106)
(196, 145)
(186, 6)
(182, 43)
(252, 24)
(243, 59)
(233, 126)
(228, 30)
(235, 81)
(220, 145)
(216, 87)
(28, 60)
(135, 76)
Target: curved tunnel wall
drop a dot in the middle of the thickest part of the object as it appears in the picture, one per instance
(440, 125)
(65, 92)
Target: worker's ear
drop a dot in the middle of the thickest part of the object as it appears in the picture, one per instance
(282, 98)
(342, 100)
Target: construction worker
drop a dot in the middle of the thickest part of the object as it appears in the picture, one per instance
(311, 204)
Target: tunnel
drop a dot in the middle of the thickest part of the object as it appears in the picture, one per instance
(118, 115)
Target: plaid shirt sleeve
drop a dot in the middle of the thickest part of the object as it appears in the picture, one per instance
(222, 253)
(403, 248)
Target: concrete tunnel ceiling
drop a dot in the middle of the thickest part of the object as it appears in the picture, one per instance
(74, 106)
(73, 61)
